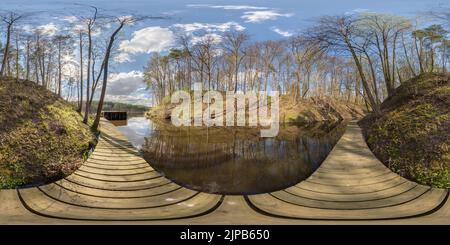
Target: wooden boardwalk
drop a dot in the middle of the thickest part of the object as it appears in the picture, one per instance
(117, 184)
(351, 184)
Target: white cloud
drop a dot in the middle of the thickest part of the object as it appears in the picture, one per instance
(212, 37)
(28, 29)
(128, 87)
(95, 32)
(149, 39)
(360, 10)
(281, 32)
(77, 28)
(208, 27)
(357, 11)
(49, 29)
(125, 82)
(70, 66)
(158, 39)
(128, 18)
(172, 12)
(122, 58)
(260, 16)
(227, 7)
(70, 19)
(140, 97)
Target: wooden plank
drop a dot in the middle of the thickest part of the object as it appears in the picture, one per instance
(116, 183)
(350, 184)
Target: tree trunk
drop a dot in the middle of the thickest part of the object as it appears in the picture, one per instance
(105, 78)
(236, 71)
(419, 54)
(27, 76)
(17, 57)
(36, 67)
(432, 58)
(59, 68)
(86, 109)
(394, 46)
(407, 57)
(374, 77)
(95, 82)
(366, 87)
(81, 73)
(6, 50)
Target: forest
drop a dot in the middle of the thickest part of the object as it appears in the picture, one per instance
(36, 52)
(360, 58)
(360, 132)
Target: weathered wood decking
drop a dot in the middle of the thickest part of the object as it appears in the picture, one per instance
(116, 184)
(351, 184)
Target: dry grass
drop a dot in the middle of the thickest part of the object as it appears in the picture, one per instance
(305, 111)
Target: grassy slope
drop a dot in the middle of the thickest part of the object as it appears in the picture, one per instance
(303, 112)
(41, 137)
(317, 110)
(412, 136)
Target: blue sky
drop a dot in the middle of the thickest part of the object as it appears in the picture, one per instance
(262, 19)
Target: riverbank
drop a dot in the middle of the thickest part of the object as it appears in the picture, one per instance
(304, 111)
(42, 138)
(412, 134)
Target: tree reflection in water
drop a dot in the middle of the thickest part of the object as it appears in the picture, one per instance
(233, 160)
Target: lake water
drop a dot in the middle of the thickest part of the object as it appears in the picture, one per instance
(232, 160)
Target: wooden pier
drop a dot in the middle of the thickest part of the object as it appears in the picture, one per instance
(115, 115)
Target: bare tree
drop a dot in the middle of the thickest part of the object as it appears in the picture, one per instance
(61, 42)
(121, 23)
(9, 18)
(80, 47)
(442, 15)
(28, 43)
(90, 23)
(340, 34)
(270, 50)
(234, 43)
(383, 32)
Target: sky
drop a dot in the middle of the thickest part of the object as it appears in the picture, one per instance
(261, 19)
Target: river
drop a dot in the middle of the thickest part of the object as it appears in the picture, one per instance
(229, 160)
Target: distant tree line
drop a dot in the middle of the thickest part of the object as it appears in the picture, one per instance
(355, 57)
(117, 106)
(30, 52)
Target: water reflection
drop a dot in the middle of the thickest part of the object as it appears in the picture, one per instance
(136, 129)
(232, 160)
(120, 122)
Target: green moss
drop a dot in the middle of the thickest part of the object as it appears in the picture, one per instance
(442, 91)
(439, 178)
(41, 137)
(165, 100)
(412, 136)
